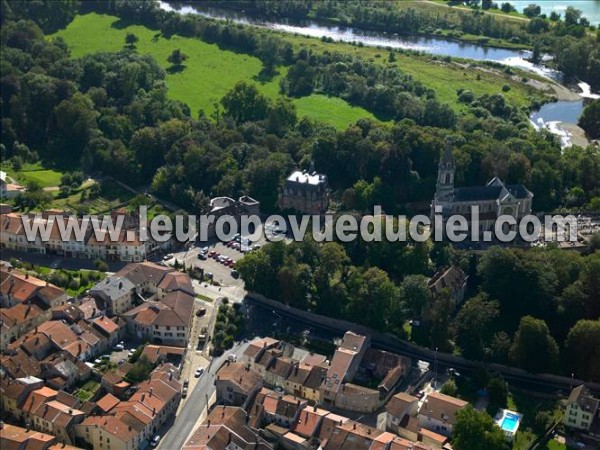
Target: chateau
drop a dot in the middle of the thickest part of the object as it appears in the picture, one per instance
(494, 199)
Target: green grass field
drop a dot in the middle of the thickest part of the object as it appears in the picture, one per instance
(209, 73)
(44, 176)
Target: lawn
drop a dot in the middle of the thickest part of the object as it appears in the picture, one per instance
(44, 176)
(209, 72)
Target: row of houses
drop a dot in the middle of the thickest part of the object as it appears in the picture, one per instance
(130, 424)
(273, 419)
(14, 437)
(127, 246)
(25, 302)
(313, 377)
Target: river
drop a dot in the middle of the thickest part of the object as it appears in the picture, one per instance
(567, 112)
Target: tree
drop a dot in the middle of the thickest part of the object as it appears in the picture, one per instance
(582, 350)
(131, 39)
(473, 325)
(372, 296)
(415, 295)
(497, 394)
(507, 7)
(532, 10)
(450, 388)
(533, 348)
(245, 103)
(476, 431)
(590, 119)
(177, 58)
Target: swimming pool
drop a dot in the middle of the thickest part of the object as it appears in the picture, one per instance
(509, 422)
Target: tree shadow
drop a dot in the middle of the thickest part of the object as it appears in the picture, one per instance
(176, 69)
(265, 76)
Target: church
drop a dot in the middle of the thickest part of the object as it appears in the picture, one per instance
(494, 199)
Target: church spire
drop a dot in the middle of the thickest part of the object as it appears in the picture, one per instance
(445, 181)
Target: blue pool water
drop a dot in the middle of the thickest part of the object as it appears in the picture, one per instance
(509, 422)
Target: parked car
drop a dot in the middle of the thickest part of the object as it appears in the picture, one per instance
(235, 273)
(119, 347)
(202, 256)
(200, 312)
(186, 382)
(184, 392)
(232, 358)
(199, 372)
(155, 440)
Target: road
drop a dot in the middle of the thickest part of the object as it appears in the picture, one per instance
(196, 402)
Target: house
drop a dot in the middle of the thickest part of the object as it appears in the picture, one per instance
(581, 409)
(226, 427)
(129, 425)
(20, 319)
(493, 200)
(311, 389)
(452, 278)
(17, 438)
(117, 293)
(108, 328)
(272, 407)
(309, 422)
(305, 192)
(438, 412)
(344, 365)
(400, 406)
(8, 189)
(352, 436)
(257, 347)
(126, 247)
(14, 392)
(237, 383)
(163, 353)
(16, 287)
(296, 379)
(52, 412)
(165, 321)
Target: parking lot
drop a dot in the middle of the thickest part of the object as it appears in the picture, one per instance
(217, 258)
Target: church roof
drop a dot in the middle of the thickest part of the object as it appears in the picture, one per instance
(495, 189)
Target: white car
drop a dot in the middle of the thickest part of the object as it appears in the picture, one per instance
(199, 372)
(155, 440)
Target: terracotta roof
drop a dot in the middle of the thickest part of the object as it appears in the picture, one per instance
(441, 407)
(308, 421)
(174, 281)
(316, 377)
(398, 404)
(11, 223)
(154, 352)
(238, 374)
(383, 441)
(392, 378)
(144, 273)
(353, 341)
(13, 437)
(314, 359)
(107, 402)
(257, 345)
(340, 364)
(299, 374)
(281, 366)
(106, 324)
(330, 422)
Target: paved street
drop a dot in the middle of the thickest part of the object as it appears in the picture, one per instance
(187, 417)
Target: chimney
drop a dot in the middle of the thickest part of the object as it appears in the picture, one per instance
(354, 426)
(27, 275)
(229, 438)
(315, 407)
(208, 423)
(143, 397)
(151, 391)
